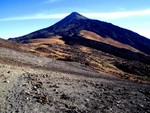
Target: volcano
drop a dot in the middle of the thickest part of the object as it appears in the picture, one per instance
(100, 45)
(76, 29)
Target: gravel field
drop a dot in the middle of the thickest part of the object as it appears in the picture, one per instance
(35, 84)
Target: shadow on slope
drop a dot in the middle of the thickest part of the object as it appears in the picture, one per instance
(120, 52)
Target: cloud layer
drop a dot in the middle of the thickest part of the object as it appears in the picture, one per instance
(117, 15)
(35, 17)
(106, 16)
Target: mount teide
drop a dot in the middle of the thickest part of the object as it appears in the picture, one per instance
(76, 29)
(99, 45)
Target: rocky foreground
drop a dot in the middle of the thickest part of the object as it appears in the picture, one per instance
(48, 86)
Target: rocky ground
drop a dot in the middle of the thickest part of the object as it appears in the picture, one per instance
(35, 84)
(95, 59)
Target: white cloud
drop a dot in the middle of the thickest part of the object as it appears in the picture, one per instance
(143, 31)
(35, 17)
(106, 16)
(117, 15)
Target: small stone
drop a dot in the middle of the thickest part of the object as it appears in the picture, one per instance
(65, 97)
(38, 91)
(118, 102)
(27, 92)
(39, 85)
(110, 109)
(34, 88)
(103, 90)
(87, 100)
(6, 81)
(55, 86)
(24, 84)
(85, 85)
(141, 105)
(54, 89)
(118, 105)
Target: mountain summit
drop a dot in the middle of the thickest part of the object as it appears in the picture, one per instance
(75, 15)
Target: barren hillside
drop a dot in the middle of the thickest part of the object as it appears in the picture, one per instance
(31, 83)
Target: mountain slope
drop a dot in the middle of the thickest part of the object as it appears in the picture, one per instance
(95, 44)
(9, 44)
(74, 23)
(30, 83)
(39, 84)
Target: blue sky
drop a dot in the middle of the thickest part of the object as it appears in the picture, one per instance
(20, 17)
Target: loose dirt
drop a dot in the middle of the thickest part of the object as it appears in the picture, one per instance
(35, 84)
